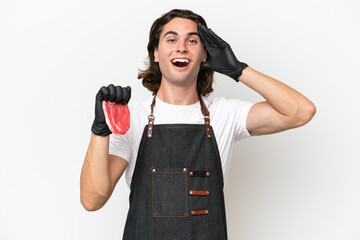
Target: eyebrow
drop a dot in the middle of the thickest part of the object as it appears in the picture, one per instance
(175, 33)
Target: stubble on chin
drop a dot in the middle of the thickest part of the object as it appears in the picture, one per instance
(180, 80)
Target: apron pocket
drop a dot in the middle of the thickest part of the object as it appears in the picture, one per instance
(170, 192)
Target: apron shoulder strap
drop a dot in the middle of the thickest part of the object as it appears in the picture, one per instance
(206, 114)
(151, 118)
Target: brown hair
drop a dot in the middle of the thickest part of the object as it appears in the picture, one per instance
(152, 75)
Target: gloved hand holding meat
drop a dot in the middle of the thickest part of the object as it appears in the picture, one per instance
(220, 56)
(112, 114)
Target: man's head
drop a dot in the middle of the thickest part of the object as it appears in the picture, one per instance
(176, 26)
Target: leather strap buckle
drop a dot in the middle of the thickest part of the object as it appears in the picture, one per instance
(151, 118)
(207, 125)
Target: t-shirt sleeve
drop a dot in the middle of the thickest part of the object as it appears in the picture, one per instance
(120, 145)
(241, 113)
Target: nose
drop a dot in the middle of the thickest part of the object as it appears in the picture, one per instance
(181, 47)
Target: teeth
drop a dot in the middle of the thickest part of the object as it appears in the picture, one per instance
(180, 60)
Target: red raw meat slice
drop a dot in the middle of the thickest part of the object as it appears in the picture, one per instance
(117, 117)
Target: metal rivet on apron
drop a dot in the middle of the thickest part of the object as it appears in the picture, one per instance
(192, 212)
(153, 170)
(191, 173)
(207, 174)
(191, 192)
(185, 169)
(149, 135)
(207, 211)
(150, 128)
(208, 135)
(207, 192)
(151, 122)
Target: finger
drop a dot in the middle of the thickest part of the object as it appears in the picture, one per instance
(119, 94)
(129, 90)
(126, 95)
(200, 27)
(112, 92)
(206, 41)
(202, 30)
(103, 93)
(218, 40)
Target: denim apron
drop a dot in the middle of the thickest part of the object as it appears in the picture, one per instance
(177, 185)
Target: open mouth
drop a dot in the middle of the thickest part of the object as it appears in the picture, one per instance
(180, 62)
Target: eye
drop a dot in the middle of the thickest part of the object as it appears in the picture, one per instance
(193, 41)
(171, 40)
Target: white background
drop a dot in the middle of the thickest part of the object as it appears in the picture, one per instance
(54, 56)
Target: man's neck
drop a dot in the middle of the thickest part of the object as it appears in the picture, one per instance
(177, 94)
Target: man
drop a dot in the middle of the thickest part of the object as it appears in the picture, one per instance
(179, 144)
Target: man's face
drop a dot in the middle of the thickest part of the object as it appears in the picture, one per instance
(180, 52)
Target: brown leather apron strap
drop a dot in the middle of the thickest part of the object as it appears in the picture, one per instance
(204, 110)
(151, 118)
(206, 114)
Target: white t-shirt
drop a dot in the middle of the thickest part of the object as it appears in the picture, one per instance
(227, 118)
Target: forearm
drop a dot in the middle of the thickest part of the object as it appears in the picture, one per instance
(95, 184)
(281, 97)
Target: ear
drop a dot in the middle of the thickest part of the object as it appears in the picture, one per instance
(205, 55)
(156, 55)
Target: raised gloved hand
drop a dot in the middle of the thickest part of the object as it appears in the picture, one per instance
(220, 57)
(113, 94)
